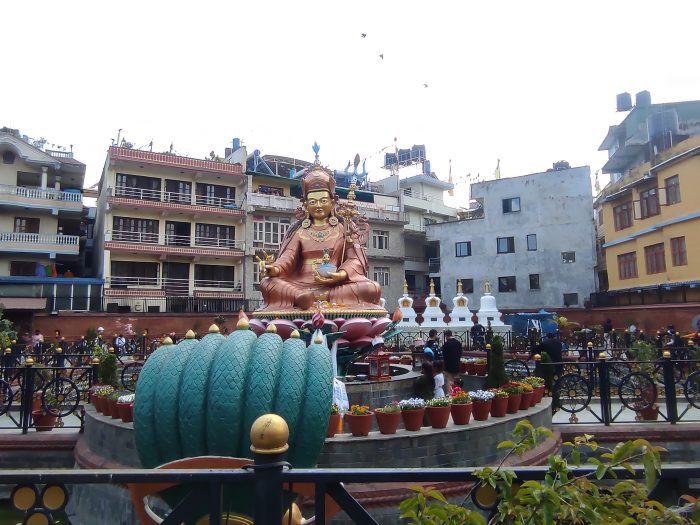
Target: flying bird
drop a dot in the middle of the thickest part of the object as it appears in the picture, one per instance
(364, 35)
(381, 56)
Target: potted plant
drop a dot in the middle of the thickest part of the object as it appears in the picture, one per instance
(480, 366)
(470, 365)
(412, 411)
(359, 419)
(46, 417)
(461, 407)
(482, 404)
(406, 360)
(496, 366)
(112, 398)
(388, 418)
(463, 365)
(526, 396)
(499, 404)
(333, 421)
(438, 410)
(515, 394)
(99, 398)
(537, 384)
(125, 407)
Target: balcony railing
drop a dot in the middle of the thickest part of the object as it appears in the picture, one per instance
(186, 199)
(40, 193)
(116, 281)
(434, 264)
(276, 202)
(173, 240)
(378, 212)
(39, 239)
(415, 227)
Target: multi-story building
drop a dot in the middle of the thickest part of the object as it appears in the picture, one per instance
(170, 233)
(41, 230)
(640, 216)
(531, 237)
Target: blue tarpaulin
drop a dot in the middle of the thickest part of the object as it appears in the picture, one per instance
(543, 321)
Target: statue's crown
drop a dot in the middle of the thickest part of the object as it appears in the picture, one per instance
(318, 179)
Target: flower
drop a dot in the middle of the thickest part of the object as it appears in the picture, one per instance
(335, 409)
(414, 403)
(390, 408)
(481, 396)
(498, 393)
(359, 410)
(460, 397)
(526, 387)
(439, 402)
(534, 381)
(512, 388)
(103, 390)
(481, 361)
(126, 398)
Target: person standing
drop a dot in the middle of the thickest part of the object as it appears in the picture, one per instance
(37, 342)
(434, 343)
(607, 329)
(439, 390)
(553, 348)
(451, 353)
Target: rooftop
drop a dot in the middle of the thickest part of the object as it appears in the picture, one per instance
(175, 161)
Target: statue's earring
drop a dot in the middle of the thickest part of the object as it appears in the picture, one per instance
(306, 222)
(333, 220)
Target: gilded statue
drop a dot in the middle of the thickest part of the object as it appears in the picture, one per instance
(322, 260)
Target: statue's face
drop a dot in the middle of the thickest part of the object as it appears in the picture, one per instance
(319, 204)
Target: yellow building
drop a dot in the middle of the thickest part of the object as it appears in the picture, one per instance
(650, 219)
(170, 233)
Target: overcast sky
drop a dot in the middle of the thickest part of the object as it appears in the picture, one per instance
(527, 82)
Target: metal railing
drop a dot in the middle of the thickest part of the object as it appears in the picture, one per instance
(173, 240)
(434, 264)
(117, 281)
(40, 193)
(175, 197)
(414, 227)
(176, 303)
(276, 202)
(40, 238)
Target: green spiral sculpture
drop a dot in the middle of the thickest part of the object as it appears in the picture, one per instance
(200, 398)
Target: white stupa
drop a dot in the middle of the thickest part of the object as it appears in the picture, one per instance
(433, 317)
(461, 315)
(408, 314)
(488, 312)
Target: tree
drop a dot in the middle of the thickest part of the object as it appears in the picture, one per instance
(7, 332)
(497, 369)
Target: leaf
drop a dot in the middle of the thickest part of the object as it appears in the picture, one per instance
(600, 471)
(506, 444)
(576, 457)
(436, 494)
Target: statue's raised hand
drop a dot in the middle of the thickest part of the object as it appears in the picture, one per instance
(267, 269)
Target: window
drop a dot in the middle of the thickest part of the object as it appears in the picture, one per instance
(134, 230)
(26, 225)
(673, 190)
(134, 273)
(380, 239)
(648, 203)
(256, 273)
(506, 284)
(271, 190)
(511, 205)
(215, 235)
(463, 249)
(213, 276)
(268, 231)
(467, 285)
(532, 242)
(570, 299)
(534, 281)
(24, 269)
(8, 157)
(505, 245)
(678, 251)
(138, 187)
(623, 216)
(655, 259)
(381, 275)
(568, 257)
(627, 265)
(215, 195)
(178, 191)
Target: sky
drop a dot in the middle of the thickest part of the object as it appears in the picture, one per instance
(529, 83)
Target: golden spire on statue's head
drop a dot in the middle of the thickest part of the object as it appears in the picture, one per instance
(432, 287)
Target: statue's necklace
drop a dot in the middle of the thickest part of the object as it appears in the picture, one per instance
(320, 235)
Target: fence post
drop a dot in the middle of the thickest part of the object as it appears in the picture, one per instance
(488, 359)
(269, 435)
(95, 363)
(60, 358)
(27, 394)
(670, 388)
(604, 386)
(7, 363)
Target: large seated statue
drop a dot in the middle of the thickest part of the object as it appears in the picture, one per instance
(322, 261)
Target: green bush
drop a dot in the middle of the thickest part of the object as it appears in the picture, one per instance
(108, 370)
(497, 369)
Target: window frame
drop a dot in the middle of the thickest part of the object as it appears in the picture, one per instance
(649, 203)
(627, 266)
(381, 275)
(467, 285)
(622, 215)
(537, 281)
(564, 258)
(673, 190)
(510, 241)
(502, 289)
(380, 239)
(507, 204)
(655, 258)
(679, 254)
(26, 225)
(460, 244)
(527, 241)
(570, 294)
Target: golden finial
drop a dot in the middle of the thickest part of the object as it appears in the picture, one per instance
(214, 329)
(167, 341)
(590, 344)
(405, 287)
(271, 328)
(351, 192)
(667, 354)
(243, 322)
(432, 287)
(537, 357)
(95, 361)
(318, 339)
(14, 341)
(602, 356)
(488, 348)
(295, 334)
(269, 434)
(8, 351)
(459, 286)
(111, 349)
(59, 350)
(190, 334)
(29, 361)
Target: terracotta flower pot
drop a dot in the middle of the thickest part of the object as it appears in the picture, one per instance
(514, 403)
(126, 412)
(98, 403)
(112, 410)
(438, 416)
(499, 406)
(461, 413)
(470, 368)
(481, 410)
(413, 419)
(480, 369)
(36, 402)
(44, 422)
(540, 393)
(462, 368)
(649, 414)
(526, 400)
(387, 422)
(333, 424)
(534, 400)
(359, 425)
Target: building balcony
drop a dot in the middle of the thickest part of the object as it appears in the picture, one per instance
(420, 201)
(434, 265)
(416, 264)
(39, 243)
(414, 228)
(378, 213)
(261, 201)
(134, 156)
(167, 201)
(182, 245)
(155, 287)
(41, 198)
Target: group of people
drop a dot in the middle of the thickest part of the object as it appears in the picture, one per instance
(439, 365)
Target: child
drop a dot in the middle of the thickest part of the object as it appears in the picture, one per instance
(424, 386)
(439, 380)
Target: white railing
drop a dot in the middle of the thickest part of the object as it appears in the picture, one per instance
(118, 281)
(378, 213)
(415, 227)
(39, 238)
(174, 197)
(173, 240)
(422, 196)
(40, 193)
(272, 201)
(217, 202)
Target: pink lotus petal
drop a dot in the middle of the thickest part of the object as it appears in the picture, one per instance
(299, 322)
(340, 321)
(380, 326)
(356, 328)
(257, 326)
(361, 342)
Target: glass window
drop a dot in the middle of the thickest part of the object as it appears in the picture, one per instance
(463, 249)
(673, 190)
(138, 187)
(511, 205)
(381, 275)
(26, 225)
(134, 273)
(570, 299)
(24, 268)
(134, 230)
(655, 258)
(627, 265)
(678, 253)
(505, 245)
(623, 216)
(269, 231)
(649, 203)
(215, 235)
(213, 276)
(532, 242)
(534, 281)
(467, 285)
(568, 257)
(380, 240)
(506, 284)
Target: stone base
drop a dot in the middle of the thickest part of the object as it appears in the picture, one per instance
(361, 310)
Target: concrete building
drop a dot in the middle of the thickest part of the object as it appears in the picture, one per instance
(41, 230)
(531, 237)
